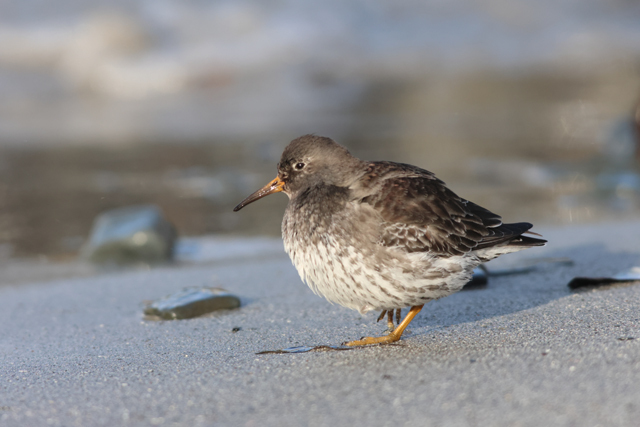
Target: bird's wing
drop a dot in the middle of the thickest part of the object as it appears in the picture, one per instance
(421, 214)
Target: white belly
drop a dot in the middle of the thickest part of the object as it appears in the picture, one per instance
(378, 279)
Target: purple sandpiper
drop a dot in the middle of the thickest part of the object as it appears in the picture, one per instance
(381, 235)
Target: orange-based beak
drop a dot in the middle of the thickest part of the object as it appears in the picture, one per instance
(274, 186)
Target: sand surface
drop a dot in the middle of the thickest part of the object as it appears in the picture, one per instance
(525, 351)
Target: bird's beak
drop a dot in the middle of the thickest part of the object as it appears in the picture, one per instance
(275, 186)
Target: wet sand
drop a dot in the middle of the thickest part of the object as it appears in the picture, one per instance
(523, 351)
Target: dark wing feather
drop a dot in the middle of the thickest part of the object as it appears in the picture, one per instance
(421, 214)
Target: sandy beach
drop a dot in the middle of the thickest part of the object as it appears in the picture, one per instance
(524, 351)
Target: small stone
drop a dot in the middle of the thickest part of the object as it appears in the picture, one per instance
(236, 329)
(527, 266)
(583, 282)
(192, 302)
(135, 234)
(630, 275)
(478, 281)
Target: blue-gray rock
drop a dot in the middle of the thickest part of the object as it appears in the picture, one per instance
(479, 279)
(192, 302)
(630, 275)
(134, 234)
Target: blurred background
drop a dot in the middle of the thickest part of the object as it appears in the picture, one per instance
(526, 107)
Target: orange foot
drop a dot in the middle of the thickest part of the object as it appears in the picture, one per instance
(393, 336)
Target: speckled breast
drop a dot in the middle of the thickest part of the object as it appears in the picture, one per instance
(334, 247)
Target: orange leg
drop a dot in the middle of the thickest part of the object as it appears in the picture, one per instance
(394, 335)
(389, 314)
(390, 324)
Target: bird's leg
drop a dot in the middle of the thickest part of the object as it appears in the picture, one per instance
(390, 324)
(394, 335)
(398, 314)
(389, 314)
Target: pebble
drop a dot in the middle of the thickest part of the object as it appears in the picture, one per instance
(134, 234)
(479, 279)
(192, 302)
(630, 275)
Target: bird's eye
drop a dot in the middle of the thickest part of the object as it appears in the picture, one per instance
(299, 165)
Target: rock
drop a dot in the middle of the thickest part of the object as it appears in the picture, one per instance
(479, 279)
(192, 302)
(482, 273)
(631, 275)
(134, 234)
(526, 266)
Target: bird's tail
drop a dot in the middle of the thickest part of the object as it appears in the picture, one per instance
(511, 235)
(507, 238)
(518, 231)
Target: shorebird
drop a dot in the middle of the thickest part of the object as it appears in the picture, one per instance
(381, 235)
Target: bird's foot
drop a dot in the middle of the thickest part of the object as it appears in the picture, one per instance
(390, 325)
(392, 337)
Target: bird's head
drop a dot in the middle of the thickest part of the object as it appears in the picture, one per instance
(307, 161)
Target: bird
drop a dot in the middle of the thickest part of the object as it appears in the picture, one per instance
(380, 235)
